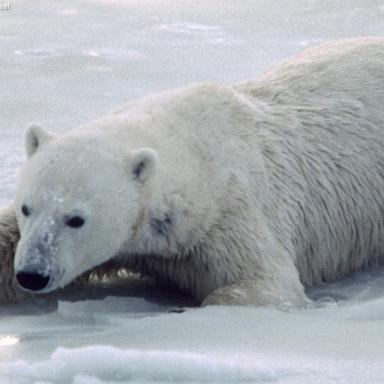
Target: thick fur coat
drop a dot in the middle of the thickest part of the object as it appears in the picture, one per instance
(237, 195)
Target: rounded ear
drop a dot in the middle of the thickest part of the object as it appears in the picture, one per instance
(35, 137)
(142, 164)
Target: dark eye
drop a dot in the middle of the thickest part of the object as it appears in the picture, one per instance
(25, 210)
(75, 222)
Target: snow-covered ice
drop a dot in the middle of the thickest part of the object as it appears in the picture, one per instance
(63, 63)
(121, 339)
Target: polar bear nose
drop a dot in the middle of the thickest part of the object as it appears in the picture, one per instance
(32, 281)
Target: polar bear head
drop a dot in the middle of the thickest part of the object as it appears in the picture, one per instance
(77, 202)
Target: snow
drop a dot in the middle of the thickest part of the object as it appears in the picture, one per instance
(63, 64)
(133, 339)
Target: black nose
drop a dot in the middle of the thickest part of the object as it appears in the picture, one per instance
(32, 281)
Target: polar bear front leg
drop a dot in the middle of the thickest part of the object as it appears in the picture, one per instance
(271, 281)
(9, 236)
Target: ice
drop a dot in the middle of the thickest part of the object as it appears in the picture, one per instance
(210, 345)
(139, 340)
(101, 309)
(65, 63)
(110, 363)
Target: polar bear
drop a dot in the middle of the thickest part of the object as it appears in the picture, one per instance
(239, 194)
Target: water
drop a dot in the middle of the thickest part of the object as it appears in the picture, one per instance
(64, 63)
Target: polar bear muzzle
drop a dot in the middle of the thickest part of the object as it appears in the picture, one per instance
(36, 268)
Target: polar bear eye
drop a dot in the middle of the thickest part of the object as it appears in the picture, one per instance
(25, 210)
(75, 222)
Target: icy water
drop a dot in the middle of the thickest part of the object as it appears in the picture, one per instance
(63, 63)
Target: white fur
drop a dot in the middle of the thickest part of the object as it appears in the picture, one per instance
(247, 192)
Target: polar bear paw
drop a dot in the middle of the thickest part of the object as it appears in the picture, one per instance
(252, 293)
(9, 236)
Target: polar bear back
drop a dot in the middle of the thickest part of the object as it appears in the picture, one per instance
(344, 70)
(328, 131)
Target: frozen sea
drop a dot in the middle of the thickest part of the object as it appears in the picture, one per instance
(63, 63)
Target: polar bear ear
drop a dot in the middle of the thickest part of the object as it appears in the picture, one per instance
(35, 137)
(142, 164)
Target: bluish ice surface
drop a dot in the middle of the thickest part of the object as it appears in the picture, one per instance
(63, 63)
